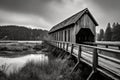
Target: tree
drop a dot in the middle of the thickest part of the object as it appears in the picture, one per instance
(101, 35)
(108, 33)
(116, 33)
(114, 24)
(14, 32)
(98, 37)
(117, 24)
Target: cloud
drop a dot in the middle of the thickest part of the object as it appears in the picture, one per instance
(23, 19)
(54, 11)
(66, 9)
(48, 13)
(108, 4)
(105, 11)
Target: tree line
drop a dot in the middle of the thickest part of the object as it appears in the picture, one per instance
(13, 32)
(112, 33)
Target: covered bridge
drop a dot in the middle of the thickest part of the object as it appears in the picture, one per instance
(78, 28)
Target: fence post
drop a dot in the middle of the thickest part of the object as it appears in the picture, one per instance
(79, 52)
(63, 45)
(106, 46)
(57, 44)
(60, 44)
(95, 64)
(95, 60)
(119, 47)
(66, 46)
(54, 43)
(79, 56)
(72, 49)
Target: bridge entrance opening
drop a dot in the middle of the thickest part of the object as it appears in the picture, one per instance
(85, 35)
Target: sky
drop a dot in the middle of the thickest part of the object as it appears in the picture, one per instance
(44, 14)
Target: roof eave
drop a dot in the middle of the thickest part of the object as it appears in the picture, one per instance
(93, 18)
(60, 28)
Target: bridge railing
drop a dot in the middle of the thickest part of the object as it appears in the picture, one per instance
(107, 44)
(99, 62)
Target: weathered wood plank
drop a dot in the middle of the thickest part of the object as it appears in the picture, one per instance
(96, 60)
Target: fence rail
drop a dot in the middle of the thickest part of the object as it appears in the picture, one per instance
(107, 65)
(105, 43)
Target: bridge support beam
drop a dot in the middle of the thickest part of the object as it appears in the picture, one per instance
(95, 65)
(78, 59)
(97, 69)
(92, 76)
(72, 47)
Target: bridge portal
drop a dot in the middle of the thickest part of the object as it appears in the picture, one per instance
(85, 35)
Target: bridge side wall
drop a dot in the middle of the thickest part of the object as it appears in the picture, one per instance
(67, 34)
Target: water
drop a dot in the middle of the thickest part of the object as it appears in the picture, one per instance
(14, 41)
(10, 65)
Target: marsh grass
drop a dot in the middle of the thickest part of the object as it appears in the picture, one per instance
(16, 50)
(55, 69)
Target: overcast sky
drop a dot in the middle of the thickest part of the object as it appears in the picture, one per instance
(47, 13)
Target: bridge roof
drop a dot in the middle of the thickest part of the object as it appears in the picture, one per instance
(71, 20)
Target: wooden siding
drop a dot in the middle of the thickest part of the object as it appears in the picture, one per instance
(85, 22)
(67, 34)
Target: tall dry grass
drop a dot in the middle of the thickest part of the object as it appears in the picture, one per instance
(56, 69)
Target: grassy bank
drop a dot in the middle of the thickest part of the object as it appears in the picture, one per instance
(56, 69)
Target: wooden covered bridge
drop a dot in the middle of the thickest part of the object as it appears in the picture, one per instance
(77, 28)
(76, 35)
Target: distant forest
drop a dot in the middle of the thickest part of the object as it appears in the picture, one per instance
(12, 32)
(112, 33)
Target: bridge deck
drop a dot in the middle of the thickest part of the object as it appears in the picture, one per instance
(108, 65)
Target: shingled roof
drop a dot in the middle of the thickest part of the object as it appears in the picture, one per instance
(71, 20)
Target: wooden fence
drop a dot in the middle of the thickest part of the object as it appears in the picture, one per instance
(106, 44)
(91, 55)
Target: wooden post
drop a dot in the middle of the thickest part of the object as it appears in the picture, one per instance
(106, 46)
(79, 56)
(60, 44)
(119, 47)
(57, 44)
(95, 60)
(72, 49)
(54, 43)
(79, 53)
(95, 64)
(66, 46)
(63, 45)
(95, 44)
